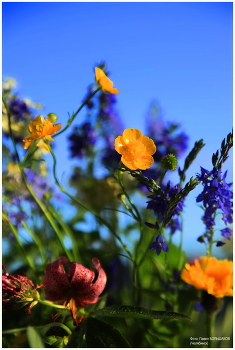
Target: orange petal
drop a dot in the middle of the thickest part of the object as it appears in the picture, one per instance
(119, 144)
(27, 144)
(130, 135)
(149, 144)
(130, 164)
(144, 162)
(114, 91)
(105, 83)
(99, 74)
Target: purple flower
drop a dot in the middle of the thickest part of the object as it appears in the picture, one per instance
(167, 139)
(18, 108)
(174, 225)
(159, 245)
(81, 139)
(226, 232)
(198, 307)
(16, 218)
(216, 195)
(220, 244)
(159, 203)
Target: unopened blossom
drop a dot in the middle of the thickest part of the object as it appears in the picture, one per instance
(18, 291)
(41, 128)
(136, 149)
(104, 82)
(77, 288)
(209, 274)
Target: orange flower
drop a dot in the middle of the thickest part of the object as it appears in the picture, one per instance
(136, 150)
(41, 128)
(214, 276)
(104, 82)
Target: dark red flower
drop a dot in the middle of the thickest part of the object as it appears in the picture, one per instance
(77, 288)
(18, 291)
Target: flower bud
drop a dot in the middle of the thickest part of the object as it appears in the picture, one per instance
(170, 162)
(52, 117)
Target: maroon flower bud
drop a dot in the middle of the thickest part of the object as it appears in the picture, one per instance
(18, 291)
(77, 288)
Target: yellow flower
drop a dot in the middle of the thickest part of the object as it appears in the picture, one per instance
(214, 276)
(104, 82)
(136, 150)
(40, 129)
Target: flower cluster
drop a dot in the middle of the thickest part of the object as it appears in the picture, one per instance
(208, 273)
(216, 195)
(160, 201)
(166, 138)
(81, 140)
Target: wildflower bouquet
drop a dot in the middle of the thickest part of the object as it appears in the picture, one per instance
(93, 262)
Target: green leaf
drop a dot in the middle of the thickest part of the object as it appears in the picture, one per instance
(58, 342)
(35, 341)
(126, 311)
(102, 335)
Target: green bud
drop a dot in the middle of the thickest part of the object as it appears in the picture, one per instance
(122, 197)
(52, 117)
(170, 162)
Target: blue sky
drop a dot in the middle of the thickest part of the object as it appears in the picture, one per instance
(179, 54)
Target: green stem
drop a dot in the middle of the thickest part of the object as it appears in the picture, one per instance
(181, 241)
(49, 303)
(210, 327)
(36, 240)
(29, 188)
(69, 233)
(85, 206)
(48, 217)
(136, 216)
(76, 113)
(15, 233)
(162, 176)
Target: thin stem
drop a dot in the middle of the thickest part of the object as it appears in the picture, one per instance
(181, 241)
(137, 217)
(36, 239)
(49, 303)
(162, 176)
(69, 233)
(29, 188)
(76, 113)
(24, 253)
(85, 206)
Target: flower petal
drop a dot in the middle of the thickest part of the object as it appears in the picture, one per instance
(130, 135)
(41, 143)
(129, 163)
(144, 162)
(149, 145)
(56, 280)
(99, 73)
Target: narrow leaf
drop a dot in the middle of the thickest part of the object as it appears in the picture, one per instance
(125, 311)
(35, 341)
